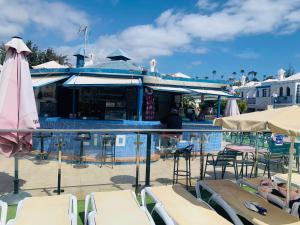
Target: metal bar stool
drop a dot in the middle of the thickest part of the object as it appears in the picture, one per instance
(186, 154)
(82, 137)
(108, 149)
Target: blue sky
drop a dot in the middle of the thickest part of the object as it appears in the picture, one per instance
(190, 36)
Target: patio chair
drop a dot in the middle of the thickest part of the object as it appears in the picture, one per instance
(46, 210)
(3, 212)
(115, 208)
(223, 159)
(176, 206)
(232, 198)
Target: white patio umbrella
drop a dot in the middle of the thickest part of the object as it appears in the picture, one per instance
(17, 102)
(281, 121)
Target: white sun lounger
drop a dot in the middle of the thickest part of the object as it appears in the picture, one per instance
(231, 198)
(46, 210)
(282, 177)
(254, 184)
(115, 208)
(176, 206)
(3, 212)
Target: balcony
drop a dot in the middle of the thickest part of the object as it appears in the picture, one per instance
(282, 100)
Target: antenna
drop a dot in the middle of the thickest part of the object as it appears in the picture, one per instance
(83, 29)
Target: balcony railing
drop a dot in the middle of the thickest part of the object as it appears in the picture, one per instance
(251, 101)
(282, 100)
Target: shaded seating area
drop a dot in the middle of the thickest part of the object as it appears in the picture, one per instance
(49, 210)
(176, 206)
(232, 198)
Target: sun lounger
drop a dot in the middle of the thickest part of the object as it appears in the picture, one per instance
(176, 206)
(232, 198)
(282, 177)
(115, 208)
(3, 212)
(255, 183)
(49, 210)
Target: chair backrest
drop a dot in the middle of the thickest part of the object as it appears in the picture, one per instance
(278, 149)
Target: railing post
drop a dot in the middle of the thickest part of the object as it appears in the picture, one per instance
(137, 162)
(148, 159)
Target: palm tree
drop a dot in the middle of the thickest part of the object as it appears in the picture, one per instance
(214, 73)
(242, 72)
(222, 77)
(253, 74)
(206, 77)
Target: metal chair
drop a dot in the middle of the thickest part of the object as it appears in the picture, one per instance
(223, 159)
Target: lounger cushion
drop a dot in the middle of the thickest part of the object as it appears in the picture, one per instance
(118, 207)
(283, 177)
(184, 208)
(48, 210)
(235, 197)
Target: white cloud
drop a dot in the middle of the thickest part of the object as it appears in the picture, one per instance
(248, 54)
(56, 17)
(181, 31)
(206, 5)
(196, 63)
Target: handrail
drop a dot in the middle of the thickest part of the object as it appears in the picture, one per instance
(121, 130)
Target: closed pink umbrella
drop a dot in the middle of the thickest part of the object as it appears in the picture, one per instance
(17, 102)
(17, 108)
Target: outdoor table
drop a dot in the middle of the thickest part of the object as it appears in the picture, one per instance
(42, 136)
(245, 150)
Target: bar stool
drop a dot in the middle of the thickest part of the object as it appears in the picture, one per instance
(186, 154)
(108, 149)
(43, 155)
(82, 137)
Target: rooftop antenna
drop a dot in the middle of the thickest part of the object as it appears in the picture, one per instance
(83, 29)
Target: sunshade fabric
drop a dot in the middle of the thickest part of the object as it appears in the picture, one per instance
(282, 121)
(212, 92)
(17, 102)
(101, 81)
(49, 65)
(42, 81)
(170, 89)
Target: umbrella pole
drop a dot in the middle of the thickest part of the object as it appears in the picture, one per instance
(256, 154)
(16, 180)
(292, 150)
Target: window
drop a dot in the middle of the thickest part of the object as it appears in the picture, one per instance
(281, 91)
(257, 93)
(298, 90)
(265, 92)
(242, 94)
(288, 91)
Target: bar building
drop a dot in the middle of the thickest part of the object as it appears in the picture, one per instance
(116, 93)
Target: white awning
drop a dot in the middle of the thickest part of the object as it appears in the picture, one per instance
(101, 81)
(42, 81)
(212, 92)
(170, 89)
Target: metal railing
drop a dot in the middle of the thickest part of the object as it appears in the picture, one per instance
(282, 100)
(251, 101)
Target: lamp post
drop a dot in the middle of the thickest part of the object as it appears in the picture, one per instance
(275, 96)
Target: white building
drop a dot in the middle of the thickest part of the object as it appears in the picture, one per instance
(277, 92)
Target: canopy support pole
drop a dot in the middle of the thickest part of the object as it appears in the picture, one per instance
(219, 107)
(292, 150)
(140, 103)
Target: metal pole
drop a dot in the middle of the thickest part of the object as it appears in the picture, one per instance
(148, 160)
(219, 107)
(60, 145)
(137, 169)
(201, 143)
(292, 150)
(16, 180)
(256, 154)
